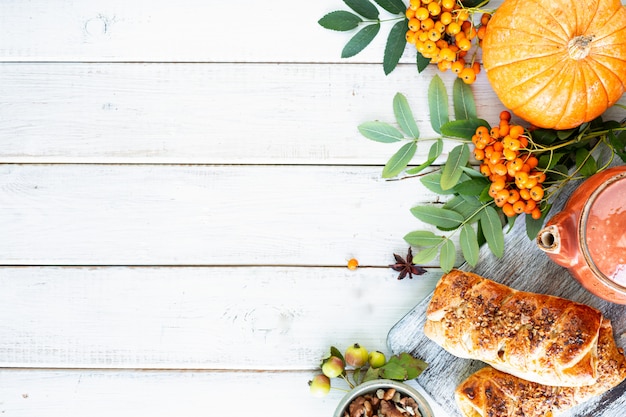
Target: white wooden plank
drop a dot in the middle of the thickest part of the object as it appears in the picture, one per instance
(213, 113)
(197, 318)
(49, 393)
(186, 30)
(203, 215)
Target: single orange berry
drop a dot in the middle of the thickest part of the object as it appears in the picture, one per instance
(485, 170)
(509, 154)
(480, 33)
(410, 13)
(427, 24)
(434, 8)
(453, 29)
(481, 130)
(499, 185)
(508, 209)
(498, 146)
(495, 132)
(513, 196)
(524, 194)
(536, 213)
(519, 206)
(353, 264)
(504, 128)
(444, 65)
(521, 177)
(479, 154)
(530, 206)
(536, 193)
(532, 162)
(410, 37)
(501, 197)
(448, 4)
(505, 115)
(441, 27)
(446, 17)
(499, 169)
(476, 67)
(463, 15)
(414, 25)
(421, 13)
(467, 75)
(516, 131)
(485, 18)
(464, 44)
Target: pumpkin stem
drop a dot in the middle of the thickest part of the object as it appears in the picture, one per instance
(579, 46)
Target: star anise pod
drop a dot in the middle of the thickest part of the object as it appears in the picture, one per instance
(406, 267)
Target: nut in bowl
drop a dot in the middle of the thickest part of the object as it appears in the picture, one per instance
(383, 397)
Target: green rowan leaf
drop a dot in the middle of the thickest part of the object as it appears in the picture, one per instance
(422, 63)
(425, 256)
(585, 163)
(432, 181)
(422, 238)
(463, 100)
(380, 132)
(447, 256)
(363, 7)
(469, 244)
(438, 103)
(492, 230)
(437, 216)
(453, 169)
(392, 6)
(464, 129)
(435, 151)
(404, 116)
(398, 162)
(360, 40)
(396, 43)
(474, 186)
(340, 20)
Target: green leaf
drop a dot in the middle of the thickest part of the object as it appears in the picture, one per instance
(380, 132)
(492, 229)
(447, 256)
(336, 352)
(463, 100)
(359, 41)
(402, 367)
(565, 134)
(435, 151)
(438, 103)
(437, 216)
(586, 164)
(544, 136)
(464, 129)
(422, 63)
(618, 143)
(404, 116)
(422, 238)
(398, 162)
(396, 42)
(474, 186)
(392, 6)
(452, 170)
(424, 256)
(469, 244)
(364, 8)
(432, 181)
(533, 226)
(549, 160)
(340, 20)
(371, 374)
(469, 208)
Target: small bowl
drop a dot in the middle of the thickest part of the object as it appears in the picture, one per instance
(374, 385)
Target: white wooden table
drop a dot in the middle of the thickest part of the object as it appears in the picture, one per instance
(181, 186)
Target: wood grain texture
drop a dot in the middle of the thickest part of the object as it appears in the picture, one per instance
(213, 113)
(265, 318)
(203, 215)
(188, 30)
(524, 267)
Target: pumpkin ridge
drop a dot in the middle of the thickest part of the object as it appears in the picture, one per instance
(577, 73)
(528, 78)
(556, 40)
(608, 69)
(565, 32)
(517, 61)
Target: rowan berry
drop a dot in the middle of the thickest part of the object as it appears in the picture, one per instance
(499, 169)
(427, 24)
(414, 24)
(521, 178)
(536, 213)
(447, 54)
(516, 131)
(513, 196)
(467, 75)
(441, 27)
(476, 68)
(484, 169)
(453, 29)
(481, 130)
(509, 154)
(464, 44)
(536, 193)
(504, 128)
(434, 8)
(508, 209)
(462, 15)
(445, 18)
(530, 205)
(532, 162)
(501, 197)
(457, 66)
(410, 37)
(480, 33)
(421, 13)
(353, 264)
(519, 206)
(479, 154)
(485, 18)
(444, 65)
(448, 4)
(524, 194)
(410, 13)
(414, 4)
(495, 132)
(505, 115)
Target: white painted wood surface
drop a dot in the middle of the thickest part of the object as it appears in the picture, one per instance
(181, 186)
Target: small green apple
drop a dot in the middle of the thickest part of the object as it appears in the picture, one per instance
(377, 359)
(356, 355)
(332, 367)
(319, 386)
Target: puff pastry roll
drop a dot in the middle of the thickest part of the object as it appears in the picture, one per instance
(540, 338)
(492, 393)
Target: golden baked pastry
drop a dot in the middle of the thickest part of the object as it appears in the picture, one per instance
(493, 393)
(536, 337)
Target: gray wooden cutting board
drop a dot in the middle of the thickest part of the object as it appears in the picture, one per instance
(523, 267)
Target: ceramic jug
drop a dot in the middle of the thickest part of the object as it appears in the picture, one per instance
(588, 237)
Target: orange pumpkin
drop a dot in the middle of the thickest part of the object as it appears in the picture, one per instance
(557, 63)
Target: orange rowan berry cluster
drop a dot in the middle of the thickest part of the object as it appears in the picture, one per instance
(442, 31)
(516, 184)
